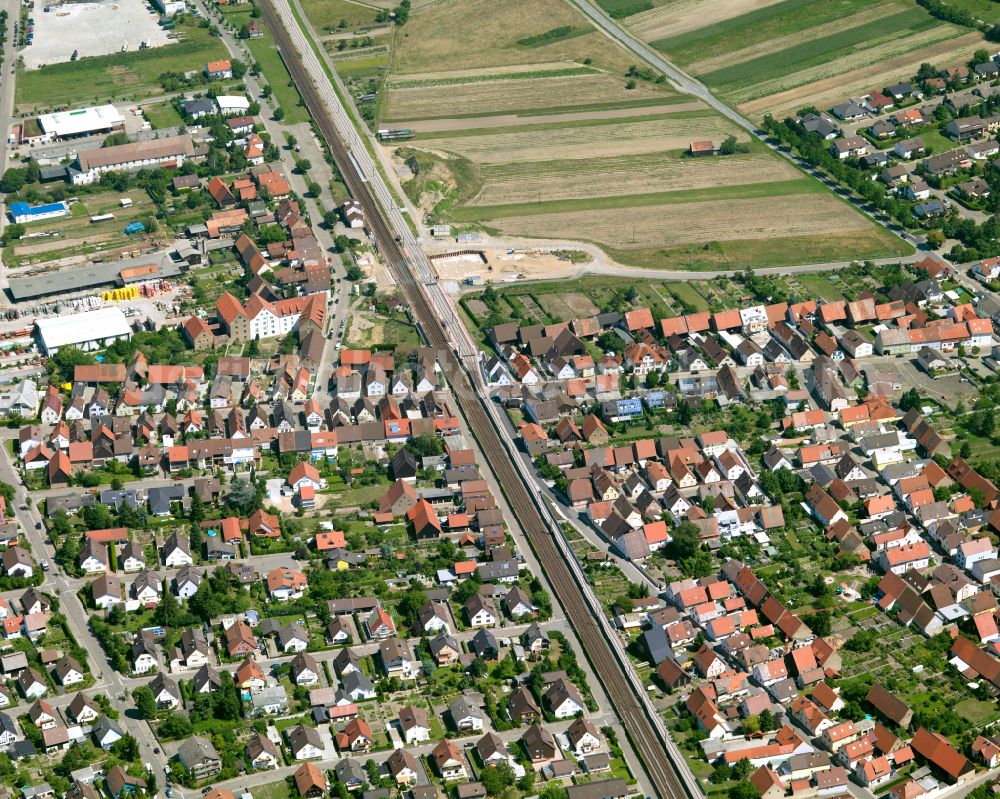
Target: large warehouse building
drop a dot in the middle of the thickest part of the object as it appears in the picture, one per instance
(155, 266)
(81, 122)
(90, 330)
(168, 152)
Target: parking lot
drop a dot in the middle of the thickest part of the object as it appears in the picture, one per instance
(91, 29)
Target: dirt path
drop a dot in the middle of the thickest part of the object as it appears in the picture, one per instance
(509, 120)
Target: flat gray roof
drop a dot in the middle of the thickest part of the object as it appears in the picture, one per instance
(88, 277)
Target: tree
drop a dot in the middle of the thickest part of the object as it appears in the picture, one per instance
(977, 496)
(174, 727)
(13, 232)
(743, 790)
(935, 238)
(127, 748)
(820, 623)
(145, 702)
(497, 778)
(279, 114)
(728, 146)
(13, 180)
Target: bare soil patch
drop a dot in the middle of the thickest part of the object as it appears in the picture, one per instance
(571, 305)
(505, 266)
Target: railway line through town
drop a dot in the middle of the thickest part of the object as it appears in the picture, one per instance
(667, 773)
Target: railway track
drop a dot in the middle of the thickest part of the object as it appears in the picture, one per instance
(646, 734)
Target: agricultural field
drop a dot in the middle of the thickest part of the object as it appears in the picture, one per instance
(541, 128)
(787, 228)
(121, 76)
(777, 56)
(551, 87)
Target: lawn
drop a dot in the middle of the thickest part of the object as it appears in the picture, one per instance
(271, 790)
(687, 293)
(162, 115)
(121, 76)
(273, 68)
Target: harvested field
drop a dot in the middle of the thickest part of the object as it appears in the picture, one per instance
(826, 91)
(773, 251)
(596, 89)
(522, 181)
(812, 214)
(680, 16)
(490, 35)
(587, 141)
(462, 124)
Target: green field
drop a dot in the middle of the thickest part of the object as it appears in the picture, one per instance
(819, 51)
(328, 14)
(121, 76)
(362, 67)
(273, 68)
(756, 27)
(619, 9)
(986, 10)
